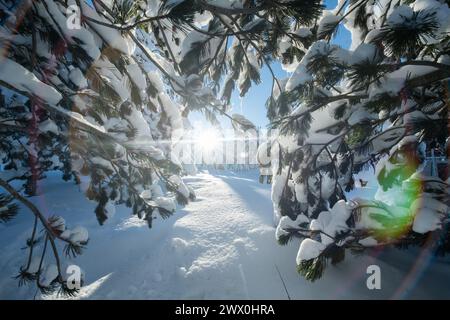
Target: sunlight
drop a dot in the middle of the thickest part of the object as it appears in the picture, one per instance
(208, 140)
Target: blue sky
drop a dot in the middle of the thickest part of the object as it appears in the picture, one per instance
(252, 105)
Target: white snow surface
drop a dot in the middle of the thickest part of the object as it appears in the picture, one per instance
(222, 245)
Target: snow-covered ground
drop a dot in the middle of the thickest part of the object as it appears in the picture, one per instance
(221, 246)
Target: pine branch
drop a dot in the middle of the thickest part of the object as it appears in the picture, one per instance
(38, 214)
(127, 27)
(217, 10)
(8, 210)
(254, 46)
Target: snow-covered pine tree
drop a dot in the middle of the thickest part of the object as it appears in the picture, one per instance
(376, 104)
(90, 101)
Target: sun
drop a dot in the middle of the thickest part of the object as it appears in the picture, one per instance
(208, 140)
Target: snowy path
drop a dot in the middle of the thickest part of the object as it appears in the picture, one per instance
(213, 250)
(220, 246)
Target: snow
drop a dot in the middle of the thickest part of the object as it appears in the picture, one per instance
(263, 155)
(137, 76)
(202, 19)
(23, 80)
(426, 220)
(57, 223)
(77, 77)
(226, 3)
(400, 14)
(339, 215)
(164, 202)
(140, 124)
(189, 40)
(278, 184)
(309, 249)
(156, 80)
(393, 82)
(321, 222)
(300, 75)
(368, 242)
(102, 163)
(34, 265)
(372, 35)
(327, 20)
(181, 187)
(242, 122)
(48, 126)
(442, 11)
(428, 214)
(303, 32)
(78, 235)
(220, 246)
(173, 111)
(112, 36)
(109, 73)
(110, 209)
(146, 194)
(50, 273)
(404, 13)
(78, 36)
(287, 223)
(319, 48)
(365, 51)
